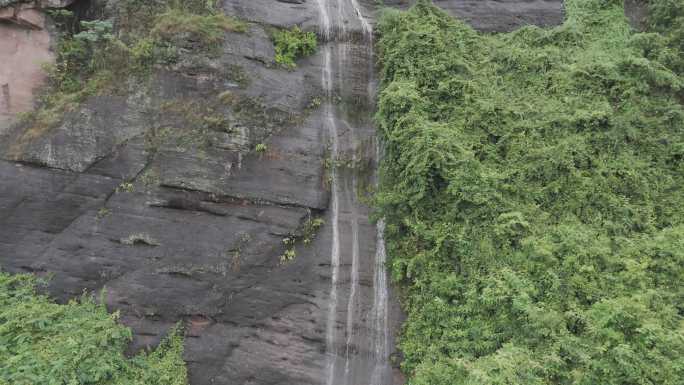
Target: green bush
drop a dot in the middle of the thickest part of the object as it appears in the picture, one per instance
(293, 44)
(207, 29)
(667, 18)
(533, 187)
(42, 342)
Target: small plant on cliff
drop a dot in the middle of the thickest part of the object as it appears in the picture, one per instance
(125, 187)
(103, 212)
(311, 228)
(308, 232)
(288, 256)
(293, 44)
(42, 342)
(143, 239)
(290, 253)
(208, 30)
(315, 103)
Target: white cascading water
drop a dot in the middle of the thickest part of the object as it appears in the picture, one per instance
(342, 361)
(335, 252)
(329, 119)
(382, 370)
(367, 29)
(351, 303)
(381, 374)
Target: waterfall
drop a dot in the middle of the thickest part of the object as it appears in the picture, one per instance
(355, 358)
(367, 29)
(335, 247)
(329, 119)
(381, 338)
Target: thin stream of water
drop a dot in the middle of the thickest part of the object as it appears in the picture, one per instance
(329, 118)
(375, 369)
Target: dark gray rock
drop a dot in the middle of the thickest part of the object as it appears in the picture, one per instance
(85, 136)
(289, 171)
(37, 205)
(280, 13)
(125, 161)
(637, 13)
(500, 15)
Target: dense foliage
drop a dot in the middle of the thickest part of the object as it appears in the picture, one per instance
(667, 18)
(291, 44)
(43, 343)
(533, 188)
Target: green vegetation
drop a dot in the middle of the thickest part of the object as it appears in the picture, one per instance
(95, 57)
(207, 29)
(293, 44)
(310, 229)
(103, 213)
(533, 191)
(306, 234)
(667, 18)
(125, 187)
(289, 255)
(77, 343)
(83, 67)
(139, 239)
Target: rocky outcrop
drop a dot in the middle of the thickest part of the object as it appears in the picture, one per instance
(159, 196)
(25, 46)
(499, 15)
(505, 15)
(637, 13)
(28, 14)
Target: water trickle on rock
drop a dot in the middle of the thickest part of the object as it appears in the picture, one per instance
(358, 345)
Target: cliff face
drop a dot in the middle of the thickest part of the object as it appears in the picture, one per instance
(180, 220)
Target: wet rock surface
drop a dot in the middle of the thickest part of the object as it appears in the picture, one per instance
(161, 197)
(502, 15)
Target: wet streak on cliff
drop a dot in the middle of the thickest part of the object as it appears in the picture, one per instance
(357, 337)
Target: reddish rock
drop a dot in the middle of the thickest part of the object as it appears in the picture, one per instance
(24, 49)
(30, 18)
(22, 53)
(7, 14)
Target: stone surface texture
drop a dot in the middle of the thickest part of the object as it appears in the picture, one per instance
(25, 46)
(183, 220)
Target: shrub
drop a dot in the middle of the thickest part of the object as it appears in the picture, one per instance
(42, 342)
(293, 44)
(207, 29)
